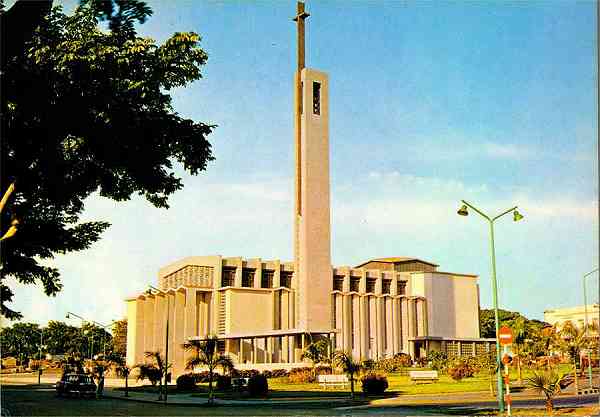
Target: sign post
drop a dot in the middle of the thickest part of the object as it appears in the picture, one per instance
(505, 337)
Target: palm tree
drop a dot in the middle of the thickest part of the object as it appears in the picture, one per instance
(121, 366)
(571, 340)
(519, 327)
(155, 371)
(206, 354)
(316, 352)
(547, 383)
(348, 365)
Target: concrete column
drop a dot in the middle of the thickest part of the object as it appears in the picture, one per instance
(347, 323)
(396, 325)
(356, 327)
(179, 332)
(364, 329)
(339, 321)
(292, 346)
(159, 323)
(254, 354)
(372, 324)
(405, 323)
(239, 265)
(190, 313)
(268, 350)
(381, 336)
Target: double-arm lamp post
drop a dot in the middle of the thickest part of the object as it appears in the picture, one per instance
(586, 324)
(69, 314)
(463, 211)
(149, 291)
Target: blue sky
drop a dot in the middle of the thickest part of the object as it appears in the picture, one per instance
(430, 103)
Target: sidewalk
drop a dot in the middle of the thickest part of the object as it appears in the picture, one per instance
(191, 400)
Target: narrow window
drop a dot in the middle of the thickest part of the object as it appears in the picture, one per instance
(266, 279)
(338, 282)
(401, 287)
(248, 278)
(316, 97)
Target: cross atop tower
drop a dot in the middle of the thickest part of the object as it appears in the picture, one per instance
(299, 19)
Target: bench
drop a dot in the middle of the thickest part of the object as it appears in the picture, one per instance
(332, 380)
(423, 376)
(239, 384)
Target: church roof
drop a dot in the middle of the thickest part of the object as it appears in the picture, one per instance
(397, 260)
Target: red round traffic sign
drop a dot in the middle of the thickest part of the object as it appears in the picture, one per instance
(505, 336)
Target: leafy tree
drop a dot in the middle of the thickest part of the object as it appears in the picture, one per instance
(316, 352)
(61, 338)
(547, 383)
(119, 337)
(21, 340)
(487, 322)
(205, 353)
(348, 365)
(88, 111)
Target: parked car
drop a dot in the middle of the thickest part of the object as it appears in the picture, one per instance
(80, 384)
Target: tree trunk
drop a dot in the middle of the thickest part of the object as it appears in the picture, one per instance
(576, 379)
(519, 374)
(210, 390)
(352, 387)
(549, 404)
(126, 386)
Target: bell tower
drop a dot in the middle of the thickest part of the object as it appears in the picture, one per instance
(312, 236)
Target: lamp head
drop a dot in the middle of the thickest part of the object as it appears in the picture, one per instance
(517, 216)
(463, 211)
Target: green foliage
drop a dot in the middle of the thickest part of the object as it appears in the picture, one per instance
(461, 368)
(301, 376)
(348, 365)
(374, 384)
(316, 352)
(205, 353)
(395, 363)
(547, 383)
(438, 359)
(526, 328)
(258, 386)
(185, 382)
(224, 382)
(119, 337)
(89, 111)
(150, 372)
(21, 340)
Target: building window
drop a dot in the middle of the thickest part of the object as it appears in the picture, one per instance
(401, 287)
(285, 279)
(248, 277)
(266, 279)
(371, 284)
(228, 277)
(338, 283)
(386, 285)
(354, 284)
(316, 97)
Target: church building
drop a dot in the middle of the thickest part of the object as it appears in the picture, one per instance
(265, 312)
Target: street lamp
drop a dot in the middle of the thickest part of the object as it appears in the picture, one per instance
(149, 291)
(463, 211)
(68, 316)
(586, 323)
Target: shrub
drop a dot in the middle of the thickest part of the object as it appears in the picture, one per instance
(461, 368)
(186, 382)
(301, 375)
(395, 363)
(276, 373)
(223, 383)
(258, 386)
(244, 373)
(368, 364)
(323, 370)
(438, 359)
(374, 384)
